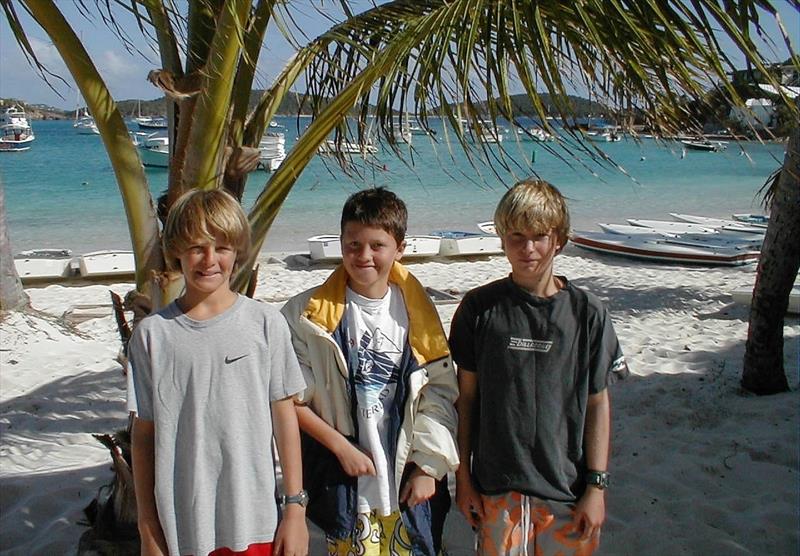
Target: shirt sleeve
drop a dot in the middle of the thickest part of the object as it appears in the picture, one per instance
(608, 363)
(286, 378)
(462, 337)
(140, 376)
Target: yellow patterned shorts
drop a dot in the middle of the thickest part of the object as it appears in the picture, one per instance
(517, 525)
(374, 536)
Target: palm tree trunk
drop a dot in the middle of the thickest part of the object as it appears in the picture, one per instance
(777, 269)
(12, 296)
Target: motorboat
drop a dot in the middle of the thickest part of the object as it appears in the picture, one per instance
(664, 249)
(486, 132)
(345, 147)
(272, 149)
(601, 136)
(154, 150)
(43, 265)
(14, 117)
(463, 244)
(107, 264)
(152, 122)
(14, 139)
(721, 224)
(536, 134)
(703, 145)
(16, 133)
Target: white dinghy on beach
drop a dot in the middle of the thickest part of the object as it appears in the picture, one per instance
(465, 244)
(43, 265)
(107, 264)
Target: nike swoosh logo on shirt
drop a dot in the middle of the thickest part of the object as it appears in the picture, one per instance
(229, 359)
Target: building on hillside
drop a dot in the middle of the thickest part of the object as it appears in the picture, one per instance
(759, 113)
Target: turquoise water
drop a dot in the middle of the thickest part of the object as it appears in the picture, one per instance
(62, 192)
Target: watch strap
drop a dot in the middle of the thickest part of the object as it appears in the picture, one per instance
(599, 479)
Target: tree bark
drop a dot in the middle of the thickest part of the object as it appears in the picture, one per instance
(12, 296)
(763, 371)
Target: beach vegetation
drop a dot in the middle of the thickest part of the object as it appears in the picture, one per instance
(458, 60)
(12, 295)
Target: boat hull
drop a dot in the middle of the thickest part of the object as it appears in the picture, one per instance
(664, 250)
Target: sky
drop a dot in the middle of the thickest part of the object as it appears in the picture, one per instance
(125, 72)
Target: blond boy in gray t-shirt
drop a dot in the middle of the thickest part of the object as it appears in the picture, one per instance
(213, 376)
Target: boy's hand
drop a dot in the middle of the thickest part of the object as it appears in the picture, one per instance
(291, 538)
(468, 500)
(354, 461)
(419, 487)
(590, 513)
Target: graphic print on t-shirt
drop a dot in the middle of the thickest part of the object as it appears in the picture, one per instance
(377, 373)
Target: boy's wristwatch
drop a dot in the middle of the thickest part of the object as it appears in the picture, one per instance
(300, 498)
(599, 479)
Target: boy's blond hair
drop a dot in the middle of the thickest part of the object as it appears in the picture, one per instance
(199, 216)
(533, 206)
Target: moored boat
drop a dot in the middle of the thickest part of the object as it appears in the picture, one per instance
(16, 133)
(664, 249)
(344, 147)
(273, 151)
(703, 145)
(488, 227)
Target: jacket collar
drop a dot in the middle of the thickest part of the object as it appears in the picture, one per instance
(425, 334)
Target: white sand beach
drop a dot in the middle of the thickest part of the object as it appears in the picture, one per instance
(697, 467)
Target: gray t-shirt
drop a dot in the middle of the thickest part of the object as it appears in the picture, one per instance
(208, 385)
(537, 360)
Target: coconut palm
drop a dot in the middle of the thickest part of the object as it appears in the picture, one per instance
(432, 57)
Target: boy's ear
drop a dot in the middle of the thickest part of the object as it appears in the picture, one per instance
(400, 250)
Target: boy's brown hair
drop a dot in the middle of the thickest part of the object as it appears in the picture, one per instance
(199, 216)
(379, 208)
(533, 205)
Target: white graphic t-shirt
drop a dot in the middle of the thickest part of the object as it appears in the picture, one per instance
(376, 333)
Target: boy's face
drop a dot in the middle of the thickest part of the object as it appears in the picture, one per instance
(368, 255)
(207, 266)
(530, 253)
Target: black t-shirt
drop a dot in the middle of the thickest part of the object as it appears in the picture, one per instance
(537, 360)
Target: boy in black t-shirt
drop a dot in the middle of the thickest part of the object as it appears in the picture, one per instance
(534, 356)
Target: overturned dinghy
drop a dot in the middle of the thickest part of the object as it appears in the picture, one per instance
(43, 265)
(107, 264)
(665, 249)
(465, 244)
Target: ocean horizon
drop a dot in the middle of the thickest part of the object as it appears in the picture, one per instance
(62, 193)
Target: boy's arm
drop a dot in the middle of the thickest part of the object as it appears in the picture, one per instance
(291, 538)
(143, 458)
(468, 499)
(354, 461)
(590, 511)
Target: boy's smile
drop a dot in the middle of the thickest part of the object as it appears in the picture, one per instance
(207, 266)
(368, 254)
